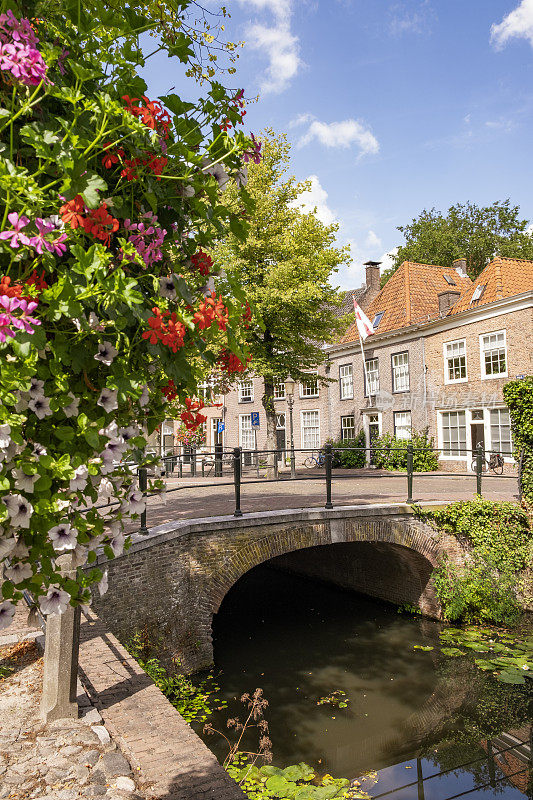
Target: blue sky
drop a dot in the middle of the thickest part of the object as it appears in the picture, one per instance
(392, 105)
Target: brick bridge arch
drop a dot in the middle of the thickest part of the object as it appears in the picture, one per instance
(173, 581)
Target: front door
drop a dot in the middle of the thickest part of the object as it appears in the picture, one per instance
(217, 435)
(373, 433)
(478, 436)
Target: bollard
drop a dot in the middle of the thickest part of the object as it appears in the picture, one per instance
(328, 465)
(409, 473)
(237, 480)
(143, 485)
(218, 461)
(479, 466)
(193, 462)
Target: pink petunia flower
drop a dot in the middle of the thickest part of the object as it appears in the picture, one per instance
(15, 236)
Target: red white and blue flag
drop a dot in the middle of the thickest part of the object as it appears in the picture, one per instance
(364, 326)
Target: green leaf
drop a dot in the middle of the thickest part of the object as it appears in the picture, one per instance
(424, 647)
(64, 433)
(451, 651)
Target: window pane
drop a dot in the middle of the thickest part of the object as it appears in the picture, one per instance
(347, 428)
(372, 376)
(400, 372)
(346, 381)
(456, 361)
(310, 430)
(493, 346)
(454, 433)
(246, 432)
(279, 389)
(402, 424)
(309, 388)
(500, 431)
(246, 391)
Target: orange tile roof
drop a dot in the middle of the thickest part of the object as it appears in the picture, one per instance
(503, 277)
(411, 296)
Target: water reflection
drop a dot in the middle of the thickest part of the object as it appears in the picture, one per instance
(300, 640)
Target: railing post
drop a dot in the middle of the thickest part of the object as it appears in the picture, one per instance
(193, 462)
(237, 480)
(218, 461)
(143, 485)
(409, 473)
(180, 471)
(479, 466)
(328, 465)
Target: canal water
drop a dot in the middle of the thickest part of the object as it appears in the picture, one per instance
(424, 725)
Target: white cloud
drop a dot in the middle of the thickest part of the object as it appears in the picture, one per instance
(342, 134)
(387, 258)
(518, 23)
(277, 42)
(316, 198)
(301, 119)
(407, 18)
(372, 241)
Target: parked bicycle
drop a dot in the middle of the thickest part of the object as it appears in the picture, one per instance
(315, 461)
(494, 462)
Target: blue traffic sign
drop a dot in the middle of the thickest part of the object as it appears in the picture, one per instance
(255, 419)
(221, 426)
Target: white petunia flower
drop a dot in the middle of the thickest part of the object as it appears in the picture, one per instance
(144, 398)
(63, 537)
(72, 409)
(56, 601)
(36, 388)
(7, 612)
(22, 402)
(7, 545)
(79, 481)
(241, 176)
(95, 323)
(167, 288)
(19, 510)
(39, 450)
(40, 406)
(218, 171)
(18, 572)
(134, 502)
(106, 353)
(117, 544)
(114, 448)
(129, 433)
(103, 585)
(24, 482)
(106, 488)
(20, 550)
(5, 436)
(79, 555)
(186, 190)
(110, 431)
(108, 400)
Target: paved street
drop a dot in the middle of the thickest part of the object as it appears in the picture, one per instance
(190, 498)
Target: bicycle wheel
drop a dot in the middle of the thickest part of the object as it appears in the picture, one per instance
(309, 462)
(484, 465)
(498, 468)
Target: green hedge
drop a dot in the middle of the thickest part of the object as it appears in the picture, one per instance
(391, 452)
(519, 397)
(349, 459)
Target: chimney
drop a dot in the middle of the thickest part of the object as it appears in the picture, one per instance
(447, 300)
(372, 275)
(459, 266)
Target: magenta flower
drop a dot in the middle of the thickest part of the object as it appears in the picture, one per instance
(8, 320)
(61, 60)
(255, 154)
(39, 242)
(56, 245)
(18, 51)
(15, 236)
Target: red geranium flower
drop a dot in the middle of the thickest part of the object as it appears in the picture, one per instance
(73, 212)
(100, 224)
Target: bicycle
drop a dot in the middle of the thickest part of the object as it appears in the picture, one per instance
(494, 462)
(315, 461)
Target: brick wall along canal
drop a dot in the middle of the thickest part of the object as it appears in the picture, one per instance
(301, 640)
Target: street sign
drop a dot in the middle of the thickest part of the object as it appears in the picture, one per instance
(221, 426)
(255, 419)
(520, 377)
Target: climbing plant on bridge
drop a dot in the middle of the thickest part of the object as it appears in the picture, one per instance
(519, 397)
(108, 202)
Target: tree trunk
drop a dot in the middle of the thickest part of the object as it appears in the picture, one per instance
(271, 426)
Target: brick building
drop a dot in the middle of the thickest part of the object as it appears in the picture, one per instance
(443, 348)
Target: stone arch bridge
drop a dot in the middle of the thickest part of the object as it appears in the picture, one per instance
(172, 581)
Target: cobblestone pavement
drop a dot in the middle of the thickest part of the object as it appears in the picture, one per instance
(66, 760)
(206, 497)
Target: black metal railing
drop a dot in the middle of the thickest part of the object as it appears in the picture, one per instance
(235, 461)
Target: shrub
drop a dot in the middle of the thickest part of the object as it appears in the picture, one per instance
(391, 452)
(519, 397)
(349, 459)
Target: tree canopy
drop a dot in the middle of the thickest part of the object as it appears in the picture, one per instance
(467, 231)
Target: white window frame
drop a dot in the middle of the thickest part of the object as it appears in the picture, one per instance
(403, 427)
(482, 352)
(346, 381)
(214, 425)
(367, 385)
(279, 389)
(248, 384)
(350, 427)
(468, 438)
(304, 415)
(398, 373)
(447, 379)
(305, 393)
(246, 432)
(507, 457)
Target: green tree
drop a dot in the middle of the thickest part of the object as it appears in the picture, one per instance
(465, 231)
(284, 265)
